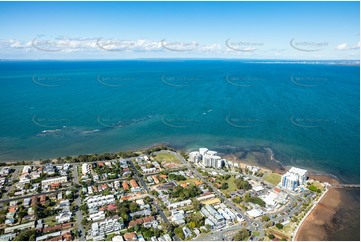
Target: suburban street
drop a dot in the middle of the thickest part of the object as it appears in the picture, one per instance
(30, 195)
(79, 213)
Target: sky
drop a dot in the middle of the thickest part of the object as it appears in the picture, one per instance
(131, 30)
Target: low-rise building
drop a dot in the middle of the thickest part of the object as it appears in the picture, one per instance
(97, 216)
(178, 217)
(130, 236)
(20, 227)
(180, 204)
(98, 201)
(187, 232)
(205, 196)
(107, 226)
(50, 181)
(85, 168)
(133, 183)
(213, 218)
(255, 213)
(63, 217)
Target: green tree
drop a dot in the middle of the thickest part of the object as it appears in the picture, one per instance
(148, 200)
(243, 234)
(21, 214)
(312, 188)
(196, 204)
(25, 235)
(191, 225)
(154, 193)
(133, 207)
(279, 226)
(84, 222)
(226, 177)
(265, 218)
(197, 218)
(224, 186)
(178, 231)
(242, 184)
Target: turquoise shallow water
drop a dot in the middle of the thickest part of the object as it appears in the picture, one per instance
(308, 114)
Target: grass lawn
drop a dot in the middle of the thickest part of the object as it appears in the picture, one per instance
(189, 180)
(318, 185)
(231, 185)
(211, 201)
(166, 158)
(110, 237)
(50, 221)
(288, 229)
(277, 232)
(273, 178)
(255, 233)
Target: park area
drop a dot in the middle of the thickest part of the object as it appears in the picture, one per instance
(168, 160)
(272, 177)
(166, 157)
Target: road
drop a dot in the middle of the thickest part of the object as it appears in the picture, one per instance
(79, 213)
(30, 195)
(219, 235)
(13, 176)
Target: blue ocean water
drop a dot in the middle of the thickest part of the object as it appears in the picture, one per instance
(307, 113)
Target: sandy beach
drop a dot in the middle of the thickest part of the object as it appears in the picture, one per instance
(322, 220)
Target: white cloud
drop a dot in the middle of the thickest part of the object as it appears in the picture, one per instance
(345, 46)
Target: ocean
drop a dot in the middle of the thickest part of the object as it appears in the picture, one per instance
(307, 113)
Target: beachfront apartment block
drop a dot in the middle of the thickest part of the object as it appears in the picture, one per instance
(195, 157)
(294, 178)
(207, 158)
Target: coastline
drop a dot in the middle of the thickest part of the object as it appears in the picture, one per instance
(316, 224)
(312, 226)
